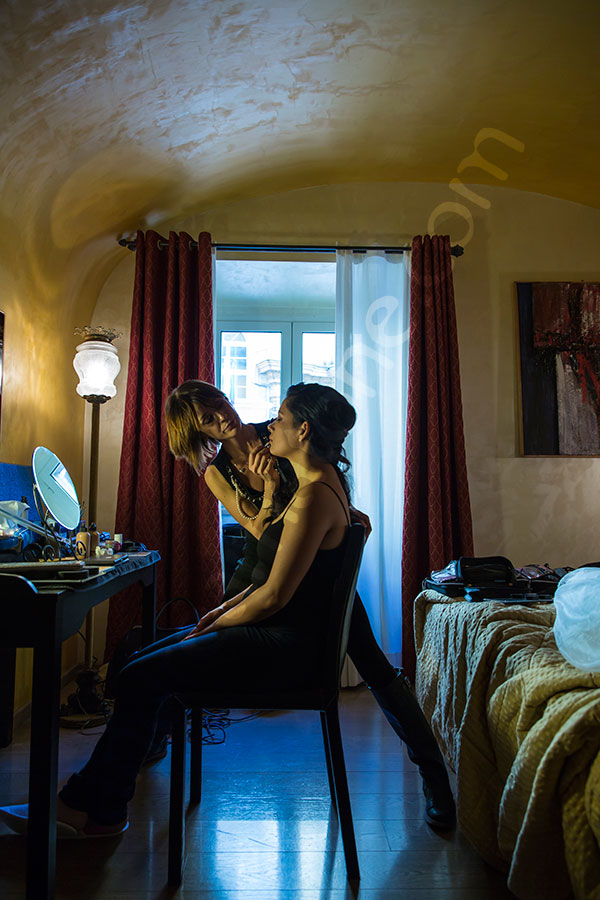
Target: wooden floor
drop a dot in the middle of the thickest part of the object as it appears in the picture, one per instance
(264, 830)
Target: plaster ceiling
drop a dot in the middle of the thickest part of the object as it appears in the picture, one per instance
(121, 114)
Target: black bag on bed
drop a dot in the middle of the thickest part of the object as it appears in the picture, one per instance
(494, 578)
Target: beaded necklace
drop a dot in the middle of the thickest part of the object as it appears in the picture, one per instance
(238, 491)
(241, 489)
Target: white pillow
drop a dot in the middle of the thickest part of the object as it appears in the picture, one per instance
(577, 625)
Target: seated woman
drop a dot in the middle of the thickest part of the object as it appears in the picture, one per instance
(265, 634)
(245, 478)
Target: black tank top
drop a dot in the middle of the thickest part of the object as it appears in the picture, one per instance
(313, 592)
(242, 576)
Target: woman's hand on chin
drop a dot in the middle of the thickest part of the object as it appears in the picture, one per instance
(205, 624)
(261, 463)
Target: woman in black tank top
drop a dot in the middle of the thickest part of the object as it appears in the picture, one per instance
(290, 586)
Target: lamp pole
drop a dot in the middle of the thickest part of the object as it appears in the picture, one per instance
(97, 364)
(96, 401)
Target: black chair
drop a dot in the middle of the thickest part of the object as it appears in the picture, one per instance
(234, 541)
(322, 698)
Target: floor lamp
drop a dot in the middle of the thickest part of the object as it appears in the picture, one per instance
(97, 364)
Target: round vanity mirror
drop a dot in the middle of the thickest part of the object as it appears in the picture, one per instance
(55, 487)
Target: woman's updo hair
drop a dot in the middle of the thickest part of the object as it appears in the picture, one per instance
(330, 417)
(186, 439)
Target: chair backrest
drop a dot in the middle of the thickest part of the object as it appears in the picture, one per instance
(340, 612)
(16, 588)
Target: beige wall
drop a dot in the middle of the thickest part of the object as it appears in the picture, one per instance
(39, 404)
(50, 283)
(532, 510)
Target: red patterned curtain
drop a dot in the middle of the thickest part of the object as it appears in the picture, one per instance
(162, 502)
(437, 512)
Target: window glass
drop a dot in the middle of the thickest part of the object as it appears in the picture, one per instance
(251, 372)
(318, 357)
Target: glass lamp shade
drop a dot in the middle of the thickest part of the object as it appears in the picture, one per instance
(97, 364)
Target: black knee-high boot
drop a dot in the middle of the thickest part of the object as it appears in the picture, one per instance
(406, 717)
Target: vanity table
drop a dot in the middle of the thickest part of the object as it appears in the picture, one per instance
(41, 612)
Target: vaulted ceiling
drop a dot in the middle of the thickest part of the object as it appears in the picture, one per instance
(120, 114)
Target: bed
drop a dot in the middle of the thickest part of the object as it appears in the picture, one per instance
(520, 727)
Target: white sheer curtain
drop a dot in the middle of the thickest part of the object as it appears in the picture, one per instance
(372, 319)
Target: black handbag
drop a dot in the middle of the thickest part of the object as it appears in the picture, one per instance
(493, 578)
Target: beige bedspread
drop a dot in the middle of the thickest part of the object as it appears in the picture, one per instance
(521, 728)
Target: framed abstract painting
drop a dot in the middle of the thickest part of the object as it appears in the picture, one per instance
(559, 356)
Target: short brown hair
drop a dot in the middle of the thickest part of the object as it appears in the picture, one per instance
(186, 439)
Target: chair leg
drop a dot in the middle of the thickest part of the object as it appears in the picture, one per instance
(341, 792)
(176, 799)
(328, 759)
(196, 756)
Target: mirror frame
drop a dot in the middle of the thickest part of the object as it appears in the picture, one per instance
(70, 522)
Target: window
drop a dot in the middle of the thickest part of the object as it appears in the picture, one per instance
(275, 326)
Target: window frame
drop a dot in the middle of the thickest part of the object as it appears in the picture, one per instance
(275, 325)
(299, 328)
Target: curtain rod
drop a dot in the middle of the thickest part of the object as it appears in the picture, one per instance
(456, 250)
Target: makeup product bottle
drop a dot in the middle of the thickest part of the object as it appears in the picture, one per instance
(82, 542)
(94, 539)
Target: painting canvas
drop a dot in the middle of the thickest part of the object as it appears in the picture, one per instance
(559, 353)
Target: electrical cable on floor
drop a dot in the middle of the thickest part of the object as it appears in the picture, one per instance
(216, 721)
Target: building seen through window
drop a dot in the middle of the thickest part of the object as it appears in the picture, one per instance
(251, 372)
(234, 359)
